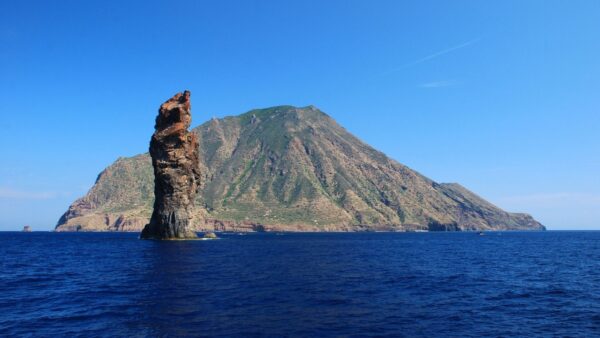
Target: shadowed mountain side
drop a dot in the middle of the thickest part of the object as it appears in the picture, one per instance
(291, 169)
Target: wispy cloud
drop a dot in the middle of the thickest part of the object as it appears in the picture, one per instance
(552, 200)
(437, 54)
(29, 195)
(439, 84)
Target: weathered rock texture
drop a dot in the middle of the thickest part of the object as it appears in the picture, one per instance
(291, 169)
(174, 152)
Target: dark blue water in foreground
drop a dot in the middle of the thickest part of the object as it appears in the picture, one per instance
(365, 284)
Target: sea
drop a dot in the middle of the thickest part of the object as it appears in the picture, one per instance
(452, 284)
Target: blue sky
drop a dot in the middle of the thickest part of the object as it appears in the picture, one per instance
(499, 96)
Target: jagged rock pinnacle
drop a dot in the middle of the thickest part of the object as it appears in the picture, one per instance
(174, 152)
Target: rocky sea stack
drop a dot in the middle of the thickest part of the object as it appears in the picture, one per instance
(174, 152)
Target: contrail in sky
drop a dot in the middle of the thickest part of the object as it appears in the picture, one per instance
(438, 54)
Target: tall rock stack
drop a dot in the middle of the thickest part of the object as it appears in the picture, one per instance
(174, 152)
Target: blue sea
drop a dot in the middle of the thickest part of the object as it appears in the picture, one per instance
(506, 284)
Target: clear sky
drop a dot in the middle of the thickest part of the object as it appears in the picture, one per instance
(500, 96)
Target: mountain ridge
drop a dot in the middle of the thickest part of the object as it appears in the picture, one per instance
(287, 168)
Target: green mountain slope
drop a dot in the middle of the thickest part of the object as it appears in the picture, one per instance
(295, 169)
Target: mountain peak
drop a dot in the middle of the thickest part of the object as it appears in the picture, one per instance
(284, 110)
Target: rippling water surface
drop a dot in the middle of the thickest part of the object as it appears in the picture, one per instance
(349, 284)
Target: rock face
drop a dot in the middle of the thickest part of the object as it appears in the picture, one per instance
(291, 169)
(174, 152)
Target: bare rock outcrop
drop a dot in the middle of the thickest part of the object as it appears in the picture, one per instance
(174, 152)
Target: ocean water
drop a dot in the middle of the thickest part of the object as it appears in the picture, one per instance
(523, 284)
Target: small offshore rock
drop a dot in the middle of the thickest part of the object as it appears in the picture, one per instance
(210, 235)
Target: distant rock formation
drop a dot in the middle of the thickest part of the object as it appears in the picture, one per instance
(174, 152)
